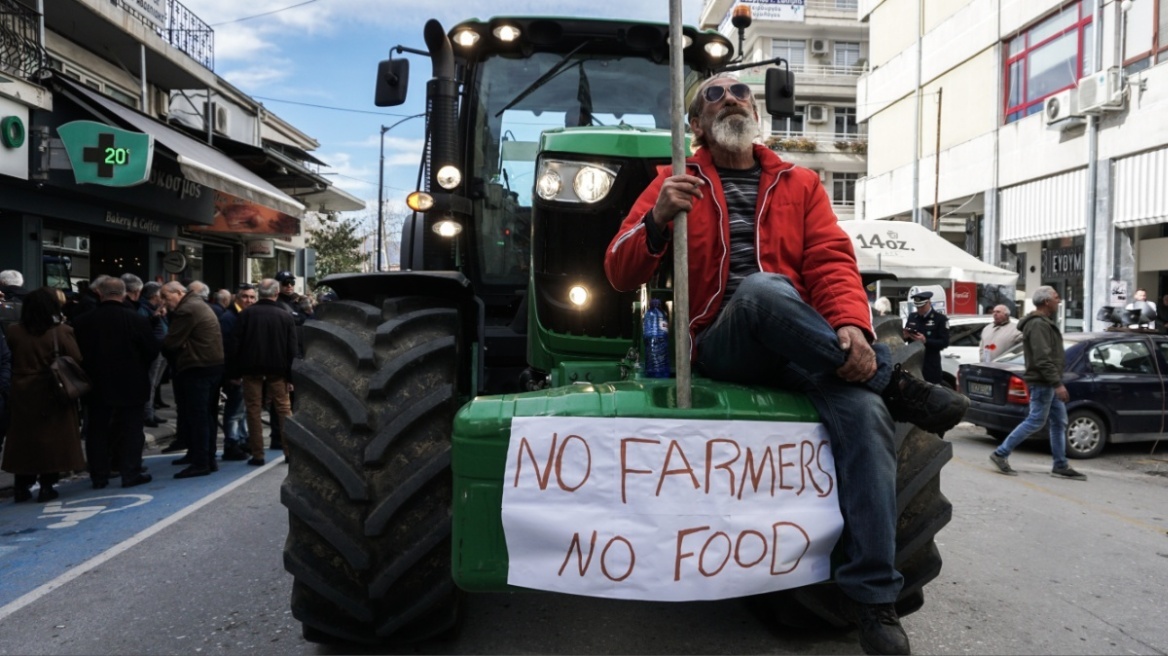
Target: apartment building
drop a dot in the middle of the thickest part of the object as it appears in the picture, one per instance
(1036, 130)
(827, 49)
(122, 151)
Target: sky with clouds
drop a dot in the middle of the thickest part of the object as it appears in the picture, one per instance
(325, 53)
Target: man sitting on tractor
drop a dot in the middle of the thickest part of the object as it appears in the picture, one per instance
(776, 299)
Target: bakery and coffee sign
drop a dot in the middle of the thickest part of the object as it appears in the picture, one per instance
(133, 223)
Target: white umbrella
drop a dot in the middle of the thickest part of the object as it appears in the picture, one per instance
(911, 251)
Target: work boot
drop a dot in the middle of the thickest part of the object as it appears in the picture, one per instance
(880, 630)
(934, 408)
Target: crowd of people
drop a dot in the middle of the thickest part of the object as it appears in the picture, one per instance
(218, 348)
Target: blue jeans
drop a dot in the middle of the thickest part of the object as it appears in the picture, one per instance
(767, 335)
(234, 418)
(1043, 404)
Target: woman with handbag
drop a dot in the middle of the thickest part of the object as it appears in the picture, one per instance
(43, 437)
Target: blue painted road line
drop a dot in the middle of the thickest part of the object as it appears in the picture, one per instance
(41, 541)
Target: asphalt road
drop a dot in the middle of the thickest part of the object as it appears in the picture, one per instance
(1033, 565)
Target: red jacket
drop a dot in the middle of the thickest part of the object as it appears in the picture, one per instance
(797, 235)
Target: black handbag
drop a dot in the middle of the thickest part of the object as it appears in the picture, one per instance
(71, 378)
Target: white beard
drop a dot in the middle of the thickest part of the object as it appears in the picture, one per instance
(734, 132)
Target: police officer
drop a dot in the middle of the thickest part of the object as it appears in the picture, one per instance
(290, 301)
(288, 298)
(930, 328)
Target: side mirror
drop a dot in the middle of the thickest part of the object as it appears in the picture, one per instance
(393, 78)
(780, 93)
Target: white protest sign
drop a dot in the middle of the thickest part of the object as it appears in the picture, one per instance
(668, 510)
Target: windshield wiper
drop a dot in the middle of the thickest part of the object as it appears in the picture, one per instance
(543, 79)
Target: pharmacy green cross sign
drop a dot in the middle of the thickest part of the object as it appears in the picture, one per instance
(105, 155)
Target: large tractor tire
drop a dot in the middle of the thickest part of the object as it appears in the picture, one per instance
(922, 511)
(368, 490)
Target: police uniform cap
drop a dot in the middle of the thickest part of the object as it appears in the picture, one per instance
(921, 298)
(285, 277)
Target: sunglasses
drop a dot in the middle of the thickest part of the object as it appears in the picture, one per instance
(714, 93)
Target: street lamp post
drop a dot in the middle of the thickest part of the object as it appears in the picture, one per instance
(381, 185)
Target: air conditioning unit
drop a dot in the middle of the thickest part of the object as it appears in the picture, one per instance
(817, 113)
(820, 46)
(161, 103)
(76, 243)
(1101, 92)
(219, 116)
(1062, 109)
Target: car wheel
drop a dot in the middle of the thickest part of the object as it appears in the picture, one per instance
(1086, 434)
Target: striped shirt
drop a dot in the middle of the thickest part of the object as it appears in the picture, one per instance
(740, 188)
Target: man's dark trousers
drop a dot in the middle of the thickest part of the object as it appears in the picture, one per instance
(192, 393)
(115, 435)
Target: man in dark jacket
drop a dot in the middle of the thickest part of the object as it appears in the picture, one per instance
(930, 328)
(117, 348)
(1042, 346)
(265, 340)
(195, 346)
(234, 425)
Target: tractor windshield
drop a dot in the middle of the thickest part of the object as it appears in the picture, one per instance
(517, 99)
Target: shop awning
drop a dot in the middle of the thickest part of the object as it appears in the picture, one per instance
(198, 161)
(911, 251)
(284, 166)
(332, 199)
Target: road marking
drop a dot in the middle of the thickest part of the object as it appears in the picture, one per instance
(71, 513)
(129, 543)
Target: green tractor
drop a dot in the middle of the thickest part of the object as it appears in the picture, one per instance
(541, 133)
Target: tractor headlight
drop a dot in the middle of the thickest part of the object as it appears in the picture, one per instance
(716, 50)
(447, 228)
(590, 182)
(550, 184)
(449, 177)
(466, 38)
(578, 295)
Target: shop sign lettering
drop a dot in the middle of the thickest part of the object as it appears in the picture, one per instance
(177, 184)
(890, 242)
(137, 224)
(668, 510)
(1062, 263)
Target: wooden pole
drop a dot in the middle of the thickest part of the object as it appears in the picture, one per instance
(680, 236)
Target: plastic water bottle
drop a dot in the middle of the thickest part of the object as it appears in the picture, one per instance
(656, 328)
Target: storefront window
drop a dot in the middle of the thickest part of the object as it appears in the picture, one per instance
(194, 253)
(268, 267)
(1062, 268)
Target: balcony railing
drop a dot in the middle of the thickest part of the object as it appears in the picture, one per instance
(21, 53)
(757, 74)
(819, 142)
(834, 5)
(183, 30)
